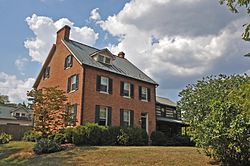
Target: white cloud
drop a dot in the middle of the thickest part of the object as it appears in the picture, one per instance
(94, 15)
(21, 63)
(45, 30)
(177, 43)
(14, 88)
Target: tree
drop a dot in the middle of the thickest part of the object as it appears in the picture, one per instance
(217, 109)
(234, 6)
(4, 99)
(49, 109)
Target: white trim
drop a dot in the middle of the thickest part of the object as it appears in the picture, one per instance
(72, 52)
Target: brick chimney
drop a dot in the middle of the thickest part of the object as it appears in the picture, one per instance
(63, 33)
(121, 54)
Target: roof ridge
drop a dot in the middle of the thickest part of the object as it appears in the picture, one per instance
(83, 44)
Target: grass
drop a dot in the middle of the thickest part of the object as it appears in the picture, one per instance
(20, 153)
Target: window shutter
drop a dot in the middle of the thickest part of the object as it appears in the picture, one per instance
(75, 113)
(97, 113)
(148, 89)
(71, 60)
(110, 86)
(98, 83)
(121, 88)
(109, 116)
(121, 117)
(69, 84)
(140, 92)
(77, 81)
(132, 90)
(65, 62)
(131, 118)
(48, 71)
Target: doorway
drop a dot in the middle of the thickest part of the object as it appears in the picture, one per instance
(144, 121)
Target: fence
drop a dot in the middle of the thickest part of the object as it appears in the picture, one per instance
(17, 131)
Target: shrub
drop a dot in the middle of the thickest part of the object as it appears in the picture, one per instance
(79, 136)
(45, 145)
(112, 135)
(58, 137)
(32, 135)
(5, 138)
(68, 134)
(181, 140)
(122, 138)
(158, 138)
(94, 134)
(137, 136)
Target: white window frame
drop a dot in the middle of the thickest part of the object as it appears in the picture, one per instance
(104, 59)
(103, 84)
(129, 89)
(129, 115)
(72, 82)
(69, 62)
(46, 73)
(103, 108)
(144, 89)
(73, 112)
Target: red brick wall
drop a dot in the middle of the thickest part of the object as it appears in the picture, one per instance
(114, 100)
(59, 76)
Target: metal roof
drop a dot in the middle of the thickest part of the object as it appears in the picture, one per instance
(165, 101)
(119, 65)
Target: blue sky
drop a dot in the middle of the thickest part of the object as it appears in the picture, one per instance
(173, 42)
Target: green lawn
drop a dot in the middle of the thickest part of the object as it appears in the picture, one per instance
(20, 153)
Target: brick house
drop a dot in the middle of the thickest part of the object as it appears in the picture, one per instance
(100, 86)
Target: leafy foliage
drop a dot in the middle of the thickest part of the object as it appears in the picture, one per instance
(217, 109)
(234, 6)
(5, 138)
(32, 135)
(158, 138)
(4, 99)
(46, 145)
(49, 108)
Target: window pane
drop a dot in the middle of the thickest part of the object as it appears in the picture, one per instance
(103, 112)
(107, 60)
(100, 58)
(126, 91)
(73, 82)
(144, 94)
(126, 117)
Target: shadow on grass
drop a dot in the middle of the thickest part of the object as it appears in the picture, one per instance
(57, 158)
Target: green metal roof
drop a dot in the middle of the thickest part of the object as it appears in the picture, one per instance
(119, 65)
(165, 101)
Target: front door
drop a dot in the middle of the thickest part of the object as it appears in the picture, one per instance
(144, 121)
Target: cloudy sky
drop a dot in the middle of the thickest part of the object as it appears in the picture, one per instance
(175, 42)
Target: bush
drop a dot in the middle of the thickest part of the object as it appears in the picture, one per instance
(112, 135)
(158, 138)
(137, 136)
(68, 134)
(181, 140)
(79, 136)
(95, 134)
(32, 135)
(5, 138)
(45, 145)
(58, 137)
(122, 138)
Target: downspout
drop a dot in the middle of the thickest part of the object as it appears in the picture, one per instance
(83, 94)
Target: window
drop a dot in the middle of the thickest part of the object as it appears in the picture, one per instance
(103, 115)
(68, 62)
(158, 111)
(71, 114)
(104, 84)
(104, 59)
(73, 83)
(23, 114)
(17, 114)
(126, 117)
(144, 93)
(46, 73)
(127, 90)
